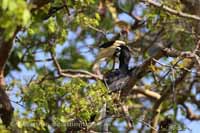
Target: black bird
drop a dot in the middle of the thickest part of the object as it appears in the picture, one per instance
(124, 58)
(117, 79)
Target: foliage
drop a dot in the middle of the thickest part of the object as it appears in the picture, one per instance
(54, 104)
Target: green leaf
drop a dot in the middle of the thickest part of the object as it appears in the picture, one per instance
(63, 119)
(97, 16)
(51, 26)
(26, 17)
(5, 4)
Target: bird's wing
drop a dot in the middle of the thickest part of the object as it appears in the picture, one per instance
(105, 53)
(107, 44)
(116, 43)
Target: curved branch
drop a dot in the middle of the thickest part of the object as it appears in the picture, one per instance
(73, 73)
(189, 114)
(172, 11)
(150, 94)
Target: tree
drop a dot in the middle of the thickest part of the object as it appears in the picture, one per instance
(57, 40)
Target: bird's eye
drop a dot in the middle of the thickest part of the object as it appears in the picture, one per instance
(117, 51)
(118, 48)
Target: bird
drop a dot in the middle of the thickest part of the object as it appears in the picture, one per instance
(108, 50)
(117, 79)
(124, 58)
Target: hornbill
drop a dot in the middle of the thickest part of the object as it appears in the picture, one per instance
(124, 58)
(117, 79)
(108, 50)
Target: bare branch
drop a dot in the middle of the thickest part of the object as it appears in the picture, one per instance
(150, 94)
(185, 54)
(73, 73)
(165, 94)
(147, 124)
(172, 11)
(127, 116)
(98, 30)
(191, 115)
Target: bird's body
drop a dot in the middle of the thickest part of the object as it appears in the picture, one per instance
(124, 58)
(106, 53)
(118, 79)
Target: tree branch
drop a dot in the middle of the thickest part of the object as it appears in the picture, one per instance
(73, 73)
(165, 94)
(185, 54)
(127, 116)
(5, 50)
(172, 11)
(139, 71)
(150, 94)
(189, 114)
(6, 109)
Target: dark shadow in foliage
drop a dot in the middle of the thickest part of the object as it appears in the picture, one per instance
(164, 125)
(76, 125)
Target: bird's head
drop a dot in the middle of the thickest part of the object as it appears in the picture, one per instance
(108, 51)
(119, 43)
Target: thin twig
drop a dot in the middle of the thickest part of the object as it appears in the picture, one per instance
(176, 67)
(18, 103)
(147, 124)
(190, 115)
(127, 116)
(98, 30)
